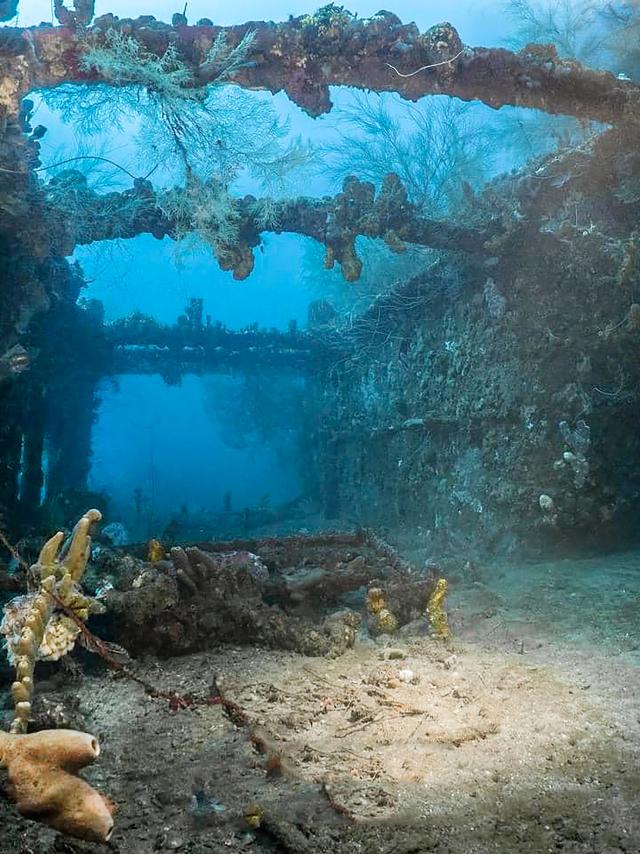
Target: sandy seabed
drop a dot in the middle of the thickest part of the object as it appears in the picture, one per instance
(522, 735)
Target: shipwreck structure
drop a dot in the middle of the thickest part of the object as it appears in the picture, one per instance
(489, 403)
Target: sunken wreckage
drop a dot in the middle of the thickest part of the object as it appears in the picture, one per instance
(492, 401)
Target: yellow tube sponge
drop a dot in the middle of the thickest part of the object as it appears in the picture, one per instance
(375, 600)
(383, 622)
(435, 611)
(155, 552)
(32, 628)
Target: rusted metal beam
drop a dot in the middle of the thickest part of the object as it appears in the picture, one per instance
(306, 55)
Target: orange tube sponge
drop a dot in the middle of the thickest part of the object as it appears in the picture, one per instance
(42, 782)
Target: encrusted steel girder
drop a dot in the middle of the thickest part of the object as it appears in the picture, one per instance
(306, 55)
(195, 344)
(333, 221)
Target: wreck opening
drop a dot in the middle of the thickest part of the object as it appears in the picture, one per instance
(274, 296)
(230, 399)
(236, 475)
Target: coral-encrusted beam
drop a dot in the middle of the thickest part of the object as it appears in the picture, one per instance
(334, 222)
(306, 55)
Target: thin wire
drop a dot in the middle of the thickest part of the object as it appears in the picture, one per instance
(84, 157)
(13, 551)
(425, 67)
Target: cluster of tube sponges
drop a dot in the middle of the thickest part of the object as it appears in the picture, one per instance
(44, 625)
(383, 622)
(39, 626)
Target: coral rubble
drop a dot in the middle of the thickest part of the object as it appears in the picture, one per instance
(203, 597)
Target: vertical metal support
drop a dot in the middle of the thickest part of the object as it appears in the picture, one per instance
(32, 475)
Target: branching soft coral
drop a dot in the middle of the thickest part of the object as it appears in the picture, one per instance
(122, 59)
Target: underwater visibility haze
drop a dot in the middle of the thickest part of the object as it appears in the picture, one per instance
(319, 447)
